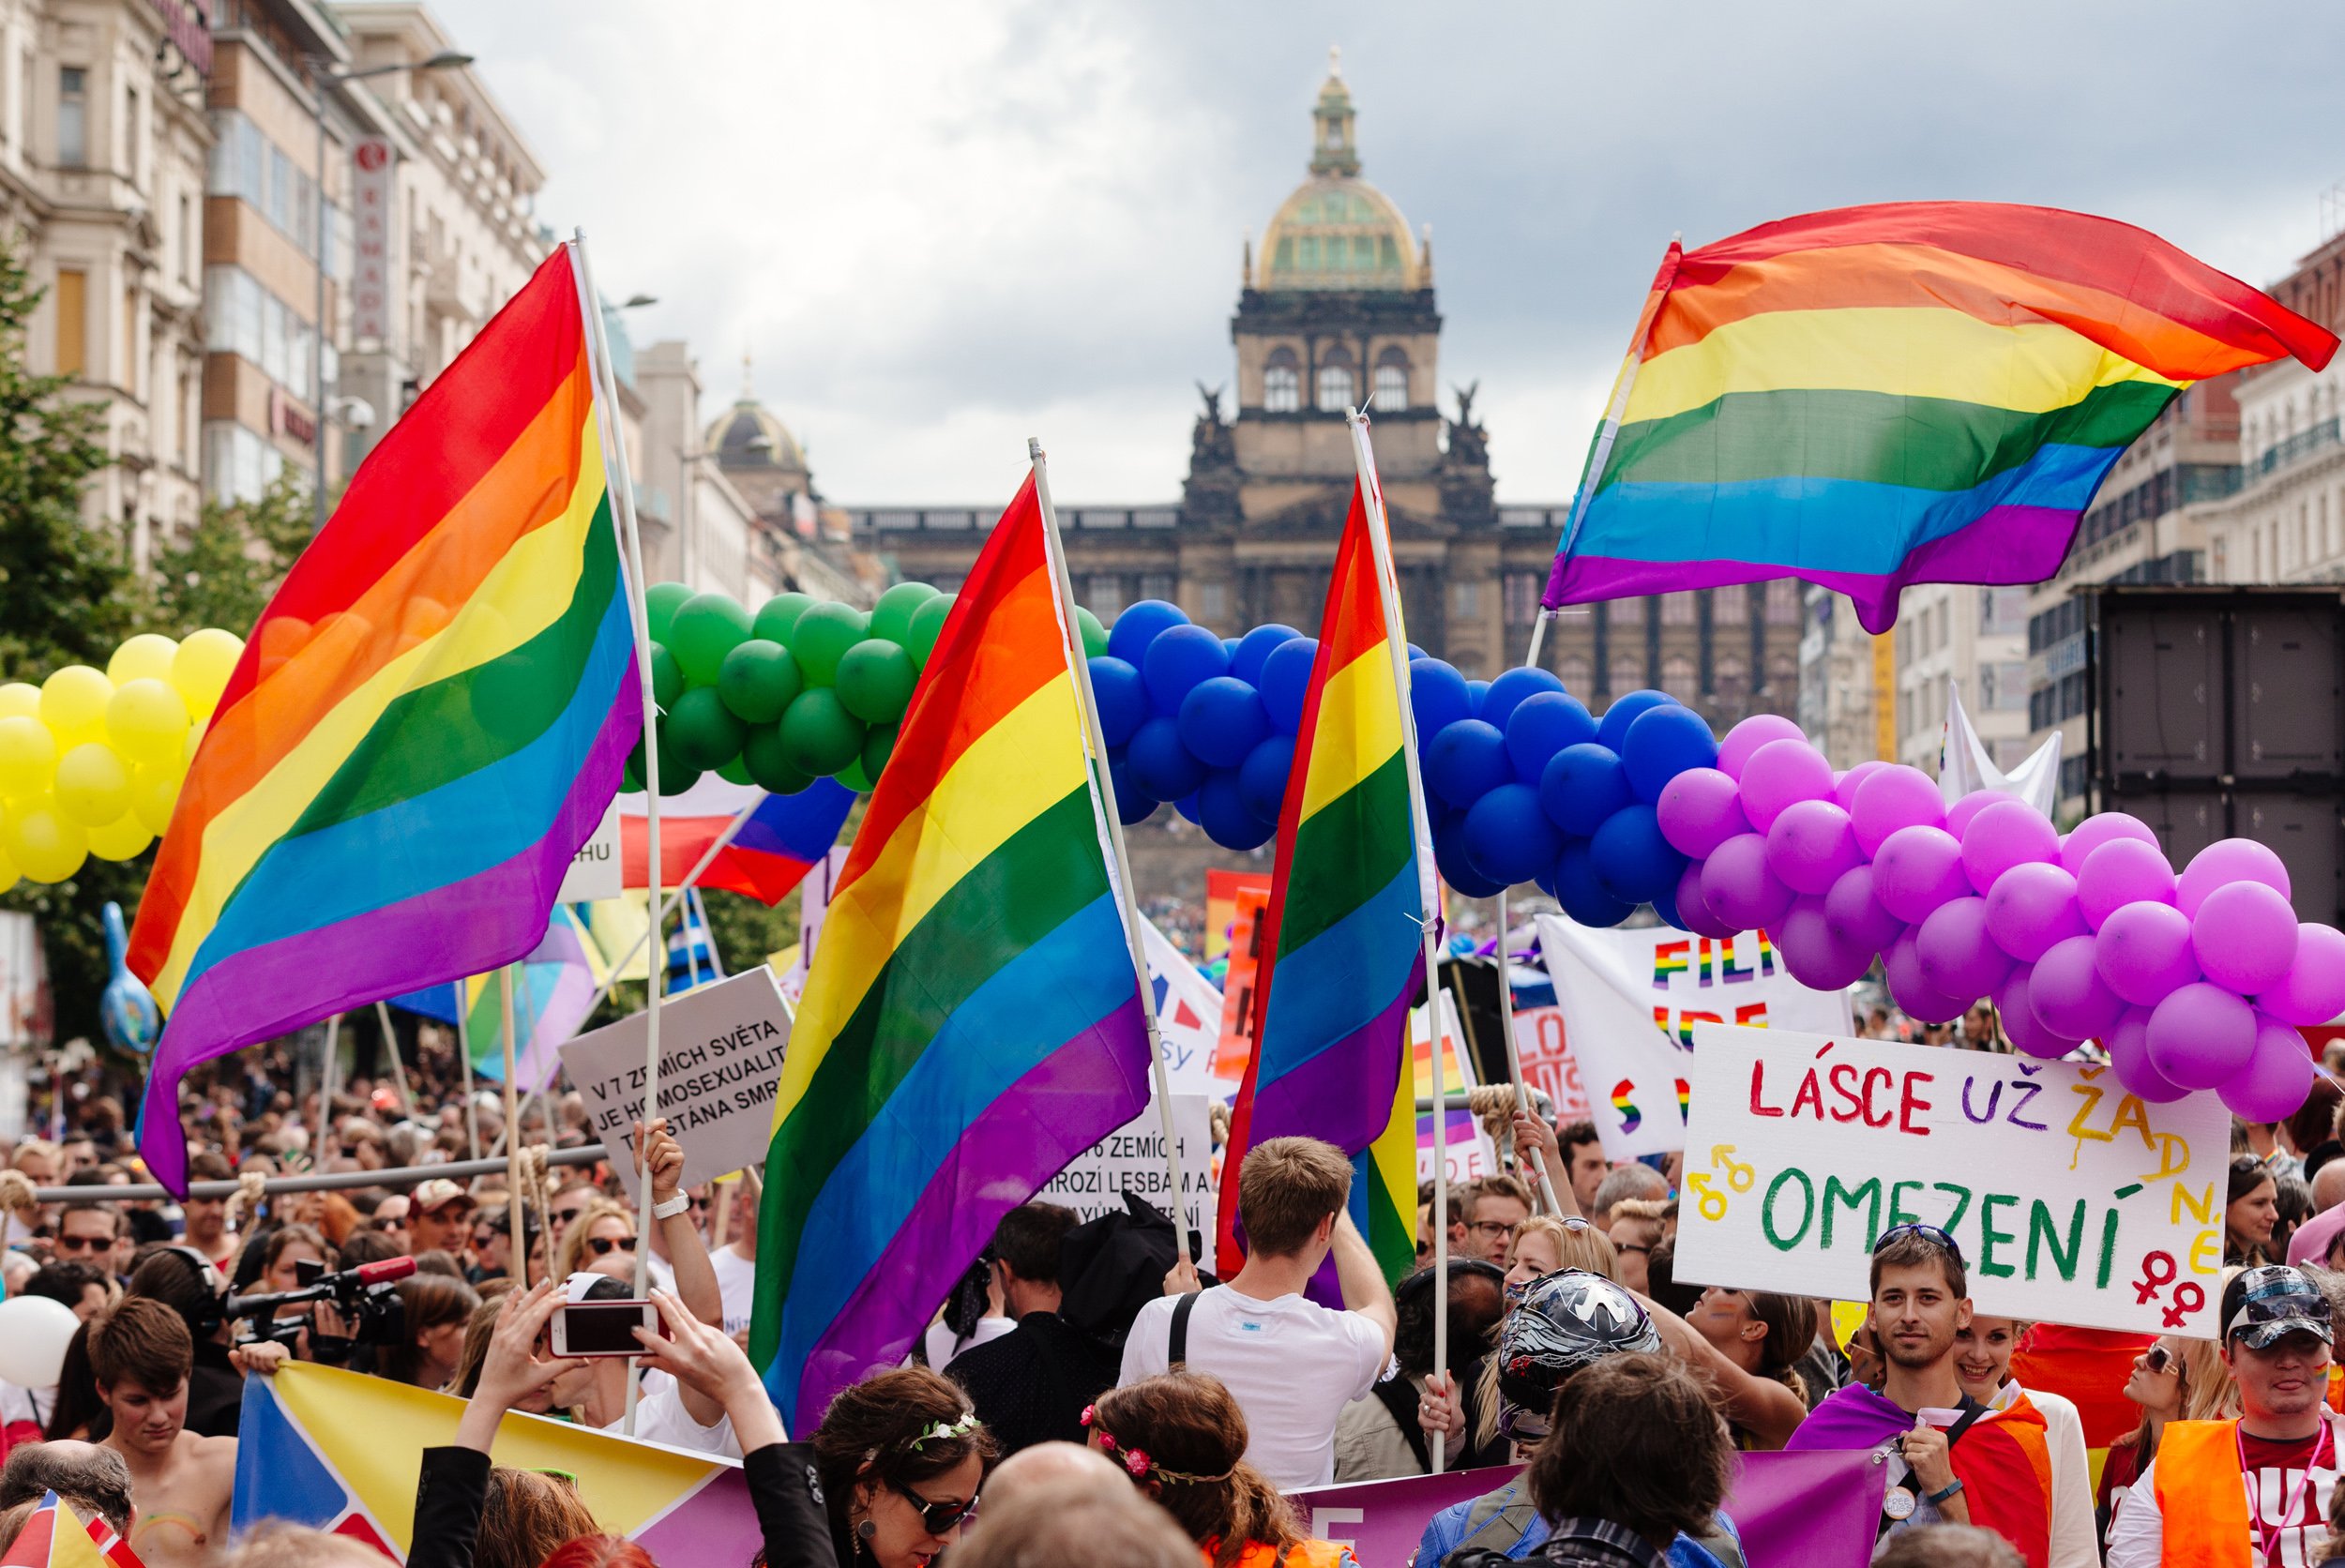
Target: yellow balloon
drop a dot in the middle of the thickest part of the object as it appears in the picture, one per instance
(20, 701)
(152, 793)
(195, 739)
(147, 721)
(120, 839)
(28, 757)
(74, 705)
(45, 846)
(145, 658)
(93, 785)
(200, 668)
(9, 875)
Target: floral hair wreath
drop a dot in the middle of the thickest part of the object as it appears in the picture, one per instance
(1137, 1461)
(962, 1428)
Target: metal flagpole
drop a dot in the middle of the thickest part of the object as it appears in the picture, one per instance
(1103, 806)
(691, 880)
(464, 1051)
(1543, 1183)
(399, 1068)
(1429, 892)
(512, 1138)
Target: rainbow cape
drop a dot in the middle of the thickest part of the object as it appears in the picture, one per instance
(1342, 945)
(2002, 1460)
(311, 1449)
(54, 1536)
(429, 719)
(973, 1021)
(1914, 392)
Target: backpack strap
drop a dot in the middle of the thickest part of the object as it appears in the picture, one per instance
(1399, 1396)
(1176, 1349)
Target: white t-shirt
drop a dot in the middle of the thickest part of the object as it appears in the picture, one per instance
(660, 1417)
(942, 1345)
(2075, 1538)
(1292, 1364)
(736, 1285)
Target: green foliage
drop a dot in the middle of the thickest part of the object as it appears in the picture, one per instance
(223, 573)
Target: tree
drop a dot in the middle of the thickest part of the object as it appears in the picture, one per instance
(224, 572)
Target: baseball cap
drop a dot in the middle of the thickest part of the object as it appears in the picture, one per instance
(437, 1193)
(2264, 1304)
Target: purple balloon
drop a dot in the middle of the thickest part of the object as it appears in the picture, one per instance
(1811, 844)
(1891, 798)
(1958, 815)
(2228, 860)
(2143, 952)
(1699, 810)
(2128, 1044)
(1959, 958)
(1857, 916)
(2201, 1034)
(1750, 735)
(2279, 1075)
(2028, 1033)
(1814, 956)
(2244, 937)
(1778, 773)
(2313, 990)
(1913, 994)
(1844, 788)
(1738, 886)
(1693, 910)
(2069, 995)
(2032, 906)
(2106, 828)
(1917, 869)
(2004, 834)
(2123, 871)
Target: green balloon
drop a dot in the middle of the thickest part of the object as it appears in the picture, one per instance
(854, 778)
(927, 622)
(757, 679)
(631, 777)
(667, 678)
(891, 618)
(819, 736)
(768, 766)
(736, 772)
(701, 730)
(661, 600)
(1095, 635)
(675, 776)
(709, 627)
(822, 637)
(877, 745)
(777, 615)
(875, 681)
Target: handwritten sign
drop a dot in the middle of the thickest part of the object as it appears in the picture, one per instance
(1131, 1159)
(720, 1049)
(1547, 1064)
(2071, 1199)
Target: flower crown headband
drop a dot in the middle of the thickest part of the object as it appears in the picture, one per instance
(962, 1428)
(1137, 1461)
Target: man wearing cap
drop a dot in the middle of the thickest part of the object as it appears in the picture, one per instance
(2226, 1494)
(439, 1217)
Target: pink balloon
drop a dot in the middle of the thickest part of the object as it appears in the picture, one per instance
(1959, 958)
(1778, 773)
(1892, 798)
(2032, 906)
(2244, 937)
(2313, 990)
(2228, 860)
(1699, 810)
(2028, 1034)
(1811, 844)
(1750, 735)
(2201, 1034)
(2143, 952)
(1912, 994)
(2106, 828)
(1815, 957)
(1917, 869)
(2279, 1075)
(1958, 815)
(2068, 994)
(2128, 1044)
(1845, 787)
(1694, 910)
(2004, 834)
(1857, 916)
(1738, 887)
(2123, 871)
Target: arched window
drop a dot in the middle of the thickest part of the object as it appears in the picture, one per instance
(1732, 677)
(1335, 392)
(1392, 382)
(1573, 668)
(1281, 383)
(1677, 676)
(1628, 673)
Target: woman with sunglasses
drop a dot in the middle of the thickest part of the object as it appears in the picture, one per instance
(2174, 1380)
(603, 1233)
(900, 1457)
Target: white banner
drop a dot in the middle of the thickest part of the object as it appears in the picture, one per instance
(2072, 1202)
(1131, 1159)
(1189, 1016)
(1631, 1001)
(593, 872)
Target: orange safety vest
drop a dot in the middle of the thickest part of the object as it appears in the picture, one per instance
(2203, 1496)
(1303, 1554)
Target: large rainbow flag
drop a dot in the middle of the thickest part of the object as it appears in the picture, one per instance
(1914, 392)
(972, 1022)
(429, 719)
(1342, 945)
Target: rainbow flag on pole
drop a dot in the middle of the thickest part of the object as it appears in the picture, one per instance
(972, 1022)
(1342, 942)
(1913, 392)
(429, 719)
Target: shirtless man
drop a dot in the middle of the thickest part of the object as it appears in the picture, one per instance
(140, 1356)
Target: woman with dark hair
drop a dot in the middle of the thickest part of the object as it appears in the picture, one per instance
(2250, 1211)
(1759, 1331)
(436, 1310)
(1644, 1460)
(900, 1457)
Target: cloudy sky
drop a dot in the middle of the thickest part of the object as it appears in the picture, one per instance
(941, 227)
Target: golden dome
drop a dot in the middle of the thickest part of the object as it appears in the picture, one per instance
(1336, 231)
(747, 435)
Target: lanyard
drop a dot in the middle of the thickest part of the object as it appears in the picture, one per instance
(2268, 1536)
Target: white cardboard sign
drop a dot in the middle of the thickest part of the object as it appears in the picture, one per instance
(595, 870)
(2072, 1202)
(1131, 1158)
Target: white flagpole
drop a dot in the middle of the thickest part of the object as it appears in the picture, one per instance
(399, 1068)
(1428, 892)
(691, 880)
(464, 1049)
(1103, 807)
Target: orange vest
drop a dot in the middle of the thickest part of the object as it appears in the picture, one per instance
(2203, 1496)
(1303, 1554)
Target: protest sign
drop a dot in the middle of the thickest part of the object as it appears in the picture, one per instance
(2072, 1200)
(1631, 1001)
(1547, 1064)
(813, 903)
(1131, 1159)
(595, 869)
(720, 1059)
(1237, 986)
(1189, 1017)
(1471, 1154)
(1221, 891)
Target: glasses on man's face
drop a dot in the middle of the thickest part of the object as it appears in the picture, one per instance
(1493, 1227)
(1424, 1250)
(1928, 1232)
(85, 1244)
(483, 1238)
(564, 1217)
(600, 1245)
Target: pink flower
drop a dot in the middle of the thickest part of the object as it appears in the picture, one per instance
(1135, 1461)
(1089, 1411)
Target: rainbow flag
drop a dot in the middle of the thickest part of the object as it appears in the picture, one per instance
(973, 1021)
(1342, 945)
(1914, 392)
(429, 719)
(555, 992)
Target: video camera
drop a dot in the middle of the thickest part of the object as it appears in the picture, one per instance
(364, 1297)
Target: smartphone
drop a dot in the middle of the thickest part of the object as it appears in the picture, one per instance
(603, 1328)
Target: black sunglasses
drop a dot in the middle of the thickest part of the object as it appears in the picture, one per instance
(1926, 1232)
(600, 1245)
(2155, 1359)
(938, 1517)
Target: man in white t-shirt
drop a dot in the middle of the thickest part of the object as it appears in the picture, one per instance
(735, 1262)
(1291, 1364)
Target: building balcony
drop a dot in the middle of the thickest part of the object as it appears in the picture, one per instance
(2295, 449)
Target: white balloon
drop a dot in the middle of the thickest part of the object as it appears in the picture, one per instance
(34, 1332)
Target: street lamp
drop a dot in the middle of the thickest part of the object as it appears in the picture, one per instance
(445, 59)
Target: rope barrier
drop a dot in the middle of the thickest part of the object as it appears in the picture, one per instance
(334, 1181)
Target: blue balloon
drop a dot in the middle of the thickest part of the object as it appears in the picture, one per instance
(1662, 743)
(1437, 696)
(1122, 700)
(1666, 907)
(1256, 646)
(1510, 688)
(1160, 765)
(1633, 861)
(1613, 731)
(1541, 725)
(1262, 779)
(1128, 639)
(1229, 645)
(1457, 868)
(1581, 785)
(1132, 802)
(1508, 838)
(1286, 680)
(1221, 720)
(1465, 760)
(125, 1008)
(1221, 811)
(1581, 893)
(1476, 692)
(1177, 660)
(1416, 652)
(1187, 806)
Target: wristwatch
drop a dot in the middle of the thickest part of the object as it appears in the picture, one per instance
(674, 1206)
(1939, 1496)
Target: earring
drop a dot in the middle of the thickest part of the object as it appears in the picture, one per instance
(864, 1533)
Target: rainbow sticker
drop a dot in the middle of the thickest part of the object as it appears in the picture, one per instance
(1685, 1099)
(1630, 1115)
